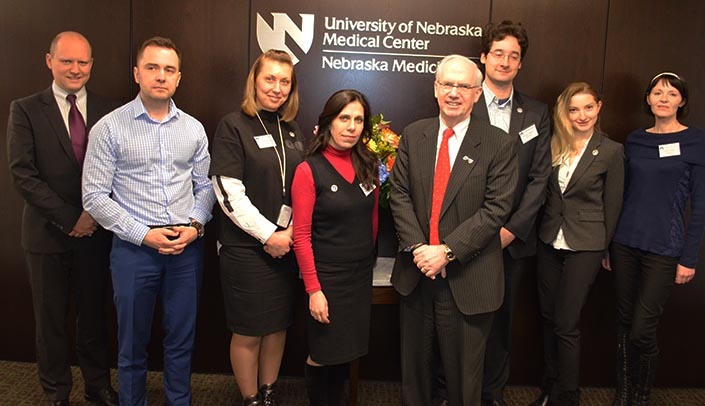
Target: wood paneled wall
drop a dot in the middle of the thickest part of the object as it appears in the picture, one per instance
(615, 46)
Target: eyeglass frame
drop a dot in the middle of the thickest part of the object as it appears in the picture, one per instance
(447, 87)
(499, 54)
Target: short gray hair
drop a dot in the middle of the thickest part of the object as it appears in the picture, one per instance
(455, 57)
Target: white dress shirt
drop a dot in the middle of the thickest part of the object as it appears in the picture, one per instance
(65, 106)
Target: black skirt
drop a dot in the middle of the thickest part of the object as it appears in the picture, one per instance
(348, 290)
(258, 290)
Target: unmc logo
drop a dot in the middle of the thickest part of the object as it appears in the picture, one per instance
(275, 36)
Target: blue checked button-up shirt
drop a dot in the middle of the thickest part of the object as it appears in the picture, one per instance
(140, 172)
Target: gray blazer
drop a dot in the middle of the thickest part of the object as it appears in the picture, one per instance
(477, 203)
(589, 207)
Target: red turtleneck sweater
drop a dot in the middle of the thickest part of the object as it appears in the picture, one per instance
(303, 197)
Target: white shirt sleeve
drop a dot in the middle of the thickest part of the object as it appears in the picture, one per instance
(232, 198)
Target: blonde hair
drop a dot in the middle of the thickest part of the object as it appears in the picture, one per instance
(563, 139)
(290, 108)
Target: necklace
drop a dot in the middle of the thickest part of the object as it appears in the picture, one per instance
(281, 158)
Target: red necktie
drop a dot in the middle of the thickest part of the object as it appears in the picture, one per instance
(440, 181)
(77, 130)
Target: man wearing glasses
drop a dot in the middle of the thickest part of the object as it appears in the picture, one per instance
(452, 188)
(527, 122)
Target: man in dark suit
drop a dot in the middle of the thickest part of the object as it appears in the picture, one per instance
(452, 189)
(528, 123)
(64, 247)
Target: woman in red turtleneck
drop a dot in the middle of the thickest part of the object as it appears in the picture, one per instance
(334, 200)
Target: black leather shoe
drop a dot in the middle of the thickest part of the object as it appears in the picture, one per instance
(106, 397)
(543, 400)
(254, 400)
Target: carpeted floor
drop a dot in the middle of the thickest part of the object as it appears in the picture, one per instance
(19, 387)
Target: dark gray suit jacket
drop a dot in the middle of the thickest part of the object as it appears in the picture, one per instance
(44, 169)
(476, 204)
(589, 207)
(534, 163)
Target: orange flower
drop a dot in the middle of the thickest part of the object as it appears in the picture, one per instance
(390, 137)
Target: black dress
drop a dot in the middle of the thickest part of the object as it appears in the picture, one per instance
(341, 236)
(258, 290)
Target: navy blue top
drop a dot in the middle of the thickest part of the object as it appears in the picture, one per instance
(657, 188)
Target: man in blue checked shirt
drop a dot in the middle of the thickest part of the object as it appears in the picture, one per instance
(146, 180)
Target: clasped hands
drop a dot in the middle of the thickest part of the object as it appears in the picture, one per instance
(431, 260)
(170, 240)
(85, 226)
(280, 242)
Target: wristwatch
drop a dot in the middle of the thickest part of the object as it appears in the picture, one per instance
(450, 256)
(199, 227)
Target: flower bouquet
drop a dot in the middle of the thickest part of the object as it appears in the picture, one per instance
(384, 142)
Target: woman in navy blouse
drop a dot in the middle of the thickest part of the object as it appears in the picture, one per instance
(654, 246)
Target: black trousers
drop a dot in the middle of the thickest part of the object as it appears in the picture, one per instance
(564, 279)
(643, 282)
(496, 371)
(82, 272)
(428, 314)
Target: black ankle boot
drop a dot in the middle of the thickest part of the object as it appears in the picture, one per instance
(623, 393)
(644, 375)
(316, 385)
(254, 400)
(266, 391)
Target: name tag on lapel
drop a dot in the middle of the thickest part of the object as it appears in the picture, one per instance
(528, 134)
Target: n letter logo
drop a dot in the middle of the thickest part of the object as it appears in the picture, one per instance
(275, 36)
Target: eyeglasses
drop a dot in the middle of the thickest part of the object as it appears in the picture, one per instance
(447, 87)
(499, 54)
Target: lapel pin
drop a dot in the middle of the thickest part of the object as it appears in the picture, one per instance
(520, 110)
(595, 152)
(468, 159)
(334, 188)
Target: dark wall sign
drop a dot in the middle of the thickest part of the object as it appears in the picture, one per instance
(389, 50)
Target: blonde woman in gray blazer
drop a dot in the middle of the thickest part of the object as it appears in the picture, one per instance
(584, 197)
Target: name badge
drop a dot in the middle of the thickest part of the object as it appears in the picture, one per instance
(265, 141)
(528, 134)
(367, 191)
(284, 216)
(666, 150)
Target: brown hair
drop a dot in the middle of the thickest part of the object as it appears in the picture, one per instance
(498, 32)
(160, 42)
(676, 82)
(364, 161)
